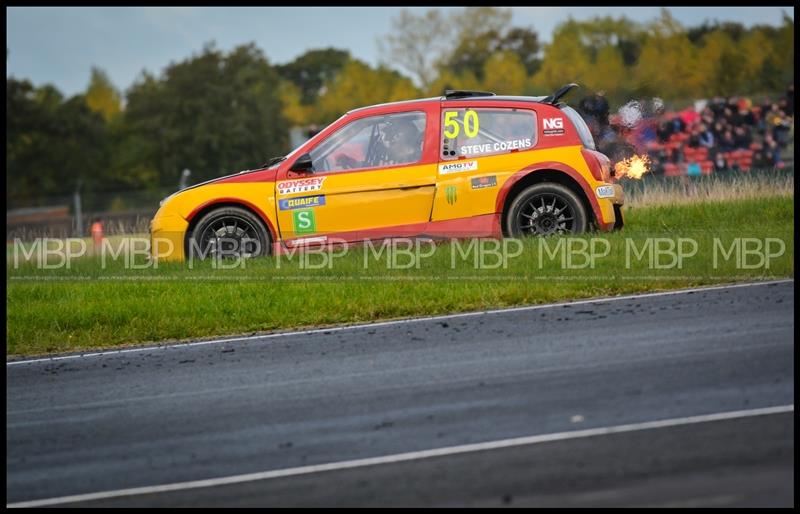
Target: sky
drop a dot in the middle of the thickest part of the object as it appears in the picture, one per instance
(59, 45)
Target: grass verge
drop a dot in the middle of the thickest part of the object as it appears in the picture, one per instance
(93, 305)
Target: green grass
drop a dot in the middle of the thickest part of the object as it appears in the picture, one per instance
(87, 307)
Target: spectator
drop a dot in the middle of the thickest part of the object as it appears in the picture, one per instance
(772, 151)
(728, 142)
(706, 137)
(677, 125)
(742, 138)
(97, 233)
(719, 126)
(664, 131)
(694, 138)
(719, 163)
(719, 130)
(760, 159)
(601, 108)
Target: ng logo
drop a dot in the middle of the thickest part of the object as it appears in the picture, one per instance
(451, 194)
(553, 123)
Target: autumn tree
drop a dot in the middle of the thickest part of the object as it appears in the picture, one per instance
(416, 43)
(213, 113)
(504, 73)
(101, 96)
(668, 61)
(309, 72)
(720, 68)
(565, 60)
(358, 85)
(53, 143)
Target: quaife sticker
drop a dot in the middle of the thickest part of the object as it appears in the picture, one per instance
(457, 167)
(605, 191)
(553, 126)
(500, 146)
(304, 222)
(301, 185)
(288, 204)
(481, 182)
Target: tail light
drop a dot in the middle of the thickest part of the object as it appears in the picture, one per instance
(598, 163)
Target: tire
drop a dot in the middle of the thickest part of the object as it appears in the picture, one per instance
(228, 232)
(546, 209)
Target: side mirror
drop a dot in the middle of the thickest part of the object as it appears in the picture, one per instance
(303, 164)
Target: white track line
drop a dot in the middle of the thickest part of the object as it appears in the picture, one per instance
(400, 321)
(410, 456)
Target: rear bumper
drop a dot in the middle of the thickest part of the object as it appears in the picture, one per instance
(610, 198)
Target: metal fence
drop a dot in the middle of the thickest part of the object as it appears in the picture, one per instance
(121, 212)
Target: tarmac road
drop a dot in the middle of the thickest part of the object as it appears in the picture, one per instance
(674, 399)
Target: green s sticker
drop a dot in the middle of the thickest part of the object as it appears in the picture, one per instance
(304, 222)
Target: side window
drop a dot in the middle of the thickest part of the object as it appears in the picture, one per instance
(374, 142)
(491, 131)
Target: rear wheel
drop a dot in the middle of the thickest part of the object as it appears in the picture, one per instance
(545, 209)
(229, 232)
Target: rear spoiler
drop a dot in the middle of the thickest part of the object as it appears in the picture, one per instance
(555, 97)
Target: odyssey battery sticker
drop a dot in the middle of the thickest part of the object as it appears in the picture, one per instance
(302, 185)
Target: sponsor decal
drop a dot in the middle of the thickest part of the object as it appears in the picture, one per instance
(308, 240)
(288, 204)
(481, 182)
(304, 222)
(553, 126)
(500, 146)
(302, 185)
(452, 128)
(457, 167)
(605, 191)
(451, 194)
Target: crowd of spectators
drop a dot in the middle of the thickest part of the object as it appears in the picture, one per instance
(716, 135)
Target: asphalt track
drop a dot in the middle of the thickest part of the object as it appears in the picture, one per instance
(680, 399)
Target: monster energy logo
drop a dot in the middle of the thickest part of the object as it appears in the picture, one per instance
(450, 193)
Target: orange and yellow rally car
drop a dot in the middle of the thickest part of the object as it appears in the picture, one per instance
(468, 164)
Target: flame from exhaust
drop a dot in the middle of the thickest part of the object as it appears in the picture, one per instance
(632, 167)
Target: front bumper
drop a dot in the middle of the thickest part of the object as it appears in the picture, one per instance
(167, 236)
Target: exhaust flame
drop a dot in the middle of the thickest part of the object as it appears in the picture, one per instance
(632, 167)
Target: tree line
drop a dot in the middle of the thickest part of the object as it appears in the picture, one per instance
(219, 112)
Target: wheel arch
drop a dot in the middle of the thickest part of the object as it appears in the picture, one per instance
(201, 210)
(547, 172)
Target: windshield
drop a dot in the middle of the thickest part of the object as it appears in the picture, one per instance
(583, 130)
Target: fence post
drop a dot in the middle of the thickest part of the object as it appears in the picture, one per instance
(78, 212)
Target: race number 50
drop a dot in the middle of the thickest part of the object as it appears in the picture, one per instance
(452, 127)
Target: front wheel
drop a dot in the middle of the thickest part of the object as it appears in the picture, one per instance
(546, 209)
(229, 232)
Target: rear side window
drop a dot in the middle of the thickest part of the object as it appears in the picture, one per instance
(486, 131)
(583, 130)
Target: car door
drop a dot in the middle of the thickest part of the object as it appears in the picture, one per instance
(482, 144)
(372, 178)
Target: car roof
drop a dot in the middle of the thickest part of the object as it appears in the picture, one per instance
(492, 98)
